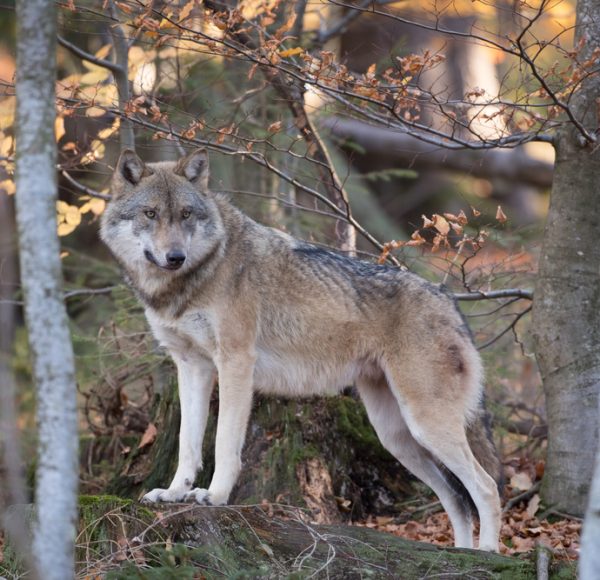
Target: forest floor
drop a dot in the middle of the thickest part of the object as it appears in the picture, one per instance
(521, 532)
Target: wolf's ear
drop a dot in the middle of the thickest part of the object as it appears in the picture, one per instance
(194, 167)
(131, 168)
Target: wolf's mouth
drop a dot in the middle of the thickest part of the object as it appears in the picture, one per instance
(150, 257)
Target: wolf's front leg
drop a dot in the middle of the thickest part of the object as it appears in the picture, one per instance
(235, 404)
(196, 381)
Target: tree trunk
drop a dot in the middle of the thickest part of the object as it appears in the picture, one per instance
(47, 324)
(589, 567)
(566, 313)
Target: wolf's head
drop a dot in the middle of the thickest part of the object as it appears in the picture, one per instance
(161, 220)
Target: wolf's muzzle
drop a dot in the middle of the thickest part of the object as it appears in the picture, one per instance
(175, 259)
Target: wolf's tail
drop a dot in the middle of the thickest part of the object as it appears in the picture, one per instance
(479, 436)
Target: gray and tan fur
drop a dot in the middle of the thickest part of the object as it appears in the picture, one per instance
(269, 312)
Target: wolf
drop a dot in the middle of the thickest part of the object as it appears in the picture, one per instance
(271, 313)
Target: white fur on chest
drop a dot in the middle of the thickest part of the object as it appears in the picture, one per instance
(185, 338)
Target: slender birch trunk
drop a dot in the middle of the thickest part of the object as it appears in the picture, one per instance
(566, 311)
(47, 323)
(589, 564)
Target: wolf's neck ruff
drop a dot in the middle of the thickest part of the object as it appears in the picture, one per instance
(270, 313)
(174, 290)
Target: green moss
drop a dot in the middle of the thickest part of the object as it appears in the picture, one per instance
(351, 420)
(102, 501)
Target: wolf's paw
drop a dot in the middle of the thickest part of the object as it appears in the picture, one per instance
(201, 496)
(164, 495)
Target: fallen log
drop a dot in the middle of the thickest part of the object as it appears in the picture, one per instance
(123, 539)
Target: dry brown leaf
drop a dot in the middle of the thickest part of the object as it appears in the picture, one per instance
(500, 215)
(186, 10)
(427, 223)
(533, 505)
(149, 436)
(286, 27)
(274, 127)
(440, 223)
(457, 228)
(521, 481)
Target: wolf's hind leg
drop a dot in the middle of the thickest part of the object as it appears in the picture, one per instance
(435, 412)
(196, 381)
(384, 413)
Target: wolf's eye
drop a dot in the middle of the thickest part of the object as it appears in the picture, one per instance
(150, 214)
(186, 213)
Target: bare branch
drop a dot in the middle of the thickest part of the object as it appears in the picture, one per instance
(84, 188)
(495, 295)
(510, 327)
(88, 292)
(115, 68)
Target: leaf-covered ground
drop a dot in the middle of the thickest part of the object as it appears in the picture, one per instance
(525, 523)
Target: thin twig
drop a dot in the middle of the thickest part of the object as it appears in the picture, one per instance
(84, 55)
(495, 294)
(84, 188)
(513, 501)
(507, 329)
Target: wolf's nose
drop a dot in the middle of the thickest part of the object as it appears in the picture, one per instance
(175, 258)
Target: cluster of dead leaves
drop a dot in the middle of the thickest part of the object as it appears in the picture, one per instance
(520, 533)
(442, 226)
(524, 525)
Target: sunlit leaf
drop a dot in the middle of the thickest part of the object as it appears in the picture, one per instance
(59, 128)
(72, 216)
(291, 52)
(6, 145)
(103, 52)
(97, 206)
(94, 77)
(8, 185)
(65, 229)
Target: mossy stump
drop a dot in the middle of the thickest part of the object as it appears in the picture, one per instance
(320, 453)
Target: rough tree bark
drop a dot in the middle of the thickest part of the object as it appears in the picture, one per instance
(589, 567)
(566, 312)
(49, 338)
